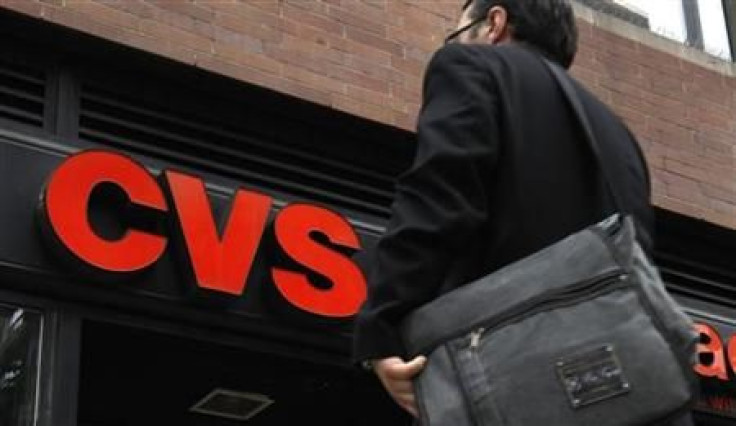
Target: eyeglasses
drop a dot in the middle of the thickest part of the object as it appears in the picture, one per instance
(453, 35)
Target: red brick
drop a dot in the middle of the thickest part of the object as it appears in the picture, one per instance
(361, 109)
(622, 86)
(138, 8)
(632, 117)
(368, 96)
(669, 109)
(270, 6)
(74, 19)
(265, 79)
(241, 25)
(237, 55)
(666, 86)
(245, 10)
(650, 57)
(673, 135)
(407, 121)
(297, 59)
(105, 14)
(154, 45)
(408, 66)
(293, 12)
(313, 37)
(374, 41)
(586, 76)
(611, 41)
(410, 37)
(602, 92)
(388, 74)
(410, 96)
(305, 53)
(313, 6)
(727, 220)
(349, 19)
(717, 143)
(680, 206)
(633, 101)
(720, 193)
(235, 38)
(585, 29)
(167, 32)
(380, 57)
(304, 92)
(28, 7)
(374, 10)
(314, 80)
(427, 26)
(655, 153)
(725, 207)
(710, 117)
(691, 195)
(712, 90)
(356, 78)
(720, 175)
(419, 54)
(184, 7)
(617, 67)
(434, 11)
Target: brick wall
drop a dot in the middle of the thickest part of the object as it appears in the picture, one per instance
(684, 115)
(366, 57)
(361, 56)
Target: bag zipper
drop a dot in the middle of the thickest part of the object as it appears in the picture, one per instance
(475, 336)
(588, 289)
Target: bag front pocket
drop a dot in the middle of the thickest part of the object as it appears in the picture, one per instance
(576, 360)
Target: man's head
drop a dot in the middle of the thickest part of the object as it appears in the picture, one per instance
(547, 25)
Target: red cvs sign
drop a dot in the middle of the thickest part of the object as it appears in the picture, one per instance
(220, 263)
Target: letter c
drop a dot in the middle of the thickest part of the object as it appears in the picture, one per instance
(66, 203)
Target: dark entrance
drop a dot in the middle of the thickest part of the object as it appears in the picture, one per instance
(131, 376)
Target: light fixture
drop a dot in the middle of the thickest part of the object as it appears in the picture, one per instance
(231, 404)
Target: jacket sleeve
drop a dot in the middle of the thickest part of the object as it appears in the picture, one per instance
(441, 202)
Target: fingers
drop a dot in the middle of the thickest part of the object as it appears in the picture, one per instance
(396, 376)
(396, 368)
(408, 403)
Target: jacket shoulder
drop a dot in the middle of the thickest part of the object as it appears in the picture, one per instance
(458, 55)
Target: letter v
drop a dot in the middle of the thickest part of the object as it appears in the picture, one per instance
(218, 264)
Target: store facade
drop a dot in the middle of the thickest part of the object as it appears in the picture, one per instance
(177, 247)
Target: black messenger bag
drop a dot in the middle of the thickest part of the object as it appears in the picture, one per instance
(581, 333)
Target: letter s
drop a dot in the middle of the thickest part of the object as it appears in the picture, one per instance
(293, 227)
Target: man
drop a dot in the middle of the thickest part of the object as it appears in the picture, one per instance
(501, 171)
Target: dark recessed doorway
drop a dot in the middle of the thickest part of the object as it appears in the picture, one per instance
(132, 377)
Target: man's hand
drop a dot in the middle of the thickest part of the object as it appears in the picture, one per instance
(396, 375)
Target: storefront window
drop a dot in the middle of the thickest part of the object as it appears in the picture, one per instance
(20, 337)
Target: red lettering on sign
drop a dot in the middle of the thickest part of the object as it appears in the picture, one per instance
(66, 201)
(732, 352)
(714, 347)
(293, 227)
(220, 264)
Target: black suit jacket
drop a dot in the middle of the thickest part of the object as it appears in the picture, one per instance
(501, 170)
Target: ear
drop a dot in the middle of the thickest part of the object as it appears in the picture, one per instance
(498, 25)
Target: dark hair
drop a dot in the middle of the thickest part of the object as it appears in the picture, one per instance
(548, 25)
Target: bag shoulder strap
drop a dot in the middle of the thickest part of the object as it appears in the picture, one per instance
(574, 99)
